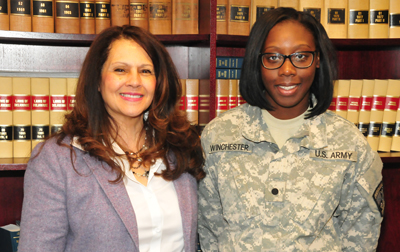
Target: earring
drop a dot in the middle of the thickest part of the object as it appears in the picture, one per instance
(146, 116)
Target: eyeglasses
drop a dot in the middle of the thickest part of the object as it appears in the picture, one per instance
(273, 61)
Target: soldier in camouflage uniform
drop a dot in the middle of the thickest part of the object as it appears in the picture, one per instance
(318, 190)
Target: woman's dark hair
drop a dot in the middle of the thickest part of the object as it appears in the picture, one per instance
(169, 130)
(251, 84)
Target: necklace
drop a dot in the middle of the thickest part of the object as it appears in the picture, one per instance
(145, 174)
(134, 157)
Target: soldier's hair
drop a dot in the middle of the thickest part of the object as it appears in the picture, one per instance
(251, 84)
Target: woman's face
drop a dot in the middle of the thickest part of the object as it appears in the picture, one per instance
(128, 81)
(288, 87)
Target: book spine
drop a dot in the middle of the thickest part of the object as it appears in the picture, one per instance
(21, 117)
(337, 18)
(119, 12)
(358, 19)
(221, 96)
(222, 16)
(365, 106)
(67, 16)
(353, 108)
(289, 3)
(332, 106)
(204, 102)
(232, 99)
(379, 19)
(40, 110)
(182, 101)
(314, 7)
(86, 16)
(240, 98)
(71, 91)
(376, 119)
(102, 15)
(6, 118)
(394, 19)
(43, 16)
(185, 17)
(259, 7)
(4, 15)
(160, 16)
(239, 17)
(342, 99)
(58, 103)
(396, 136)
(20, 15)
(192, 100)
(139, 13)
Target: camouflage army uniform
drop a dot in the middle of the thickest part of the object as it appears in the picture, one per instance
(321, 191)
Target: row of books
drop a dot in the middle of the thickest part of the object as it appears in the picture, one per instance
(227, 95)
(92, 16)
(372, 105)
(341, 18)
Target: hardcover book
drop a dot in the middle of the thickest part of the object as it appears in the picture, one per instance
(233, 88)
(239, 14)
(119, 12)
(58, 103)
(336, 18)
(379, 19)
(102, 15)
(4, 15)
(314, 7)
(204, 102)
(341, 91)
(353, 106)
(240, 98)
(222, 16)
(67, 16)
(192, 100)
(6, 118)
(43, 16)
(259, 7)
(9, 238)
(367, 93)
(358, 25)
(289, 3)
(221, 96)
(40, 110)
(394, 19)
(185, 17)
(20, 15)
(139, 13)
(182, 101)
(86, 16)
(71, 91)
(21, 117)
(160, 16)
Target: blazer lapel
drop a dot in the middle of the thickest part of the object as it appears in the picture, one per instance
(117, 195)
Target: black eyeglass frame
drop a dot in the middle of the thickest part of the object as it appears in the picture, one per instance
(288, 57)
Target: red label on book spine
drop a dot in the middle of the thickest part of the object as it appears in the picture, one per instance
(5, 102)
(204, 102)
(332, 107)
(182, 103)
(192, 102)
(40, 102)
(232, 102)
(21, 102)
(71, 102)
(354, 103)
(58, 102)
(221, 103)
(366, 103)
(341, 103)
(241, 100)
(392, 103)
(378, 102)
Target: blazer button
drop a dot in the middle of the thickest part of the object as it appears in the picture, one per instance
(275, 191)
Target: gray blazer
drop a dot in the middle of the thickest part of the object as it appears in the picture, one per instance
(66, 211)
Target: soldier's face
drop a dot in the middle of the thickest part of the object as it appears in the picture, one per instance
(288, 87)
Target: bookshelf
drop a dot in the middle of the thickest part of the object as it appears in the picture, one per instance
(60, 55)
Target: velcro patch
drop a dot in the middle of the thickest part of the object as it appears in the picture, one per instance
(334, 154)
(379, 199)
(231, 147)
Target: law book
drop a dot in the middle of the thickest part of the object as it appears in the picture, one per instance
(20, 15)
(221, 96)
(119, 12)
(289, 3)
(182, 101)
(342, 88)
(239, 96)
(22, 105)
(394, 19)
(192, 100)
(40, 88)
(139, 13)
(259, 7)
(332, 106)
(67, 16)
(229, 62)
(367, 93)
(239, 14)
(232, 98)
(353, 106)
(222, 16)
(376, 117)
(86, 16)
(160, 16)
(5, 15)
(336, 20)
(6, 118)
(43, 16)
(314, 7)
(379, 19)
(229, 73)
(185, 17)
(72, 83)
(9, 238)
(102, 15)
(396, 136)
(389, 116)
(358, 19)
(58, 103)
(204, 102)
